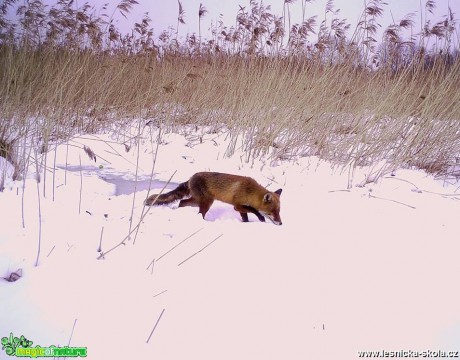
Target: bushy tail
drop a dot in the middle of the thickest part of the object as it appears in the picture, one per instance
(177, 194)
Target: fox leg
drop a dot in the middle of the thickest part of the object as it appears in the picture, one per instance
(188, 202)
(244, 216)
(245, 209)
(204, 206)
(255, 212)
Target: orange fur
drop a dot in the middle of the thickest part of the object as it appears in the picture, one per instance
(244, 193)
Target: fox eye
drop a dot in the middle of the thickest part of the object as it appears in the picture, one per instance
(267, 197)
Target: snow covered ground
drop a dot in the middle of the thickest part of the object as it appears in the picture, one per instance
(371, 268)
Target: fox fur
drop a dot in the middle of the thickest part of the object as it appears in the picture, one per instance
(244, 193)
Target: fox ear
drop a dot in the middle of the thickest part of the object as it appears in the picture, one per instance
(267, 198)
(278, 191)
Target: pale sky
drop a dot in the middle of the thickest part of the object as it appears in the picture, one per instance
(164, 12)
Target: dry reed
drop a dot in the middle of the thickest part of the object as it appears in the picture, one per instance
(294, 90)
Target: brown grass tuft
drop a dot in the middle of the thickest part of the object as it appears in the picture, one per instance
(288, 89)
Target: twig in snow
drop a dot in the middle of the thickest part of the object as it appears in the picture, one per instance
(135, 182)
(152, 264)
(39, 213)
(51, 251)
(43, 163)
(156, 324)
(395, 201)
(24, 176)
(425, 191)
(66, 161)
(440, 194)
(199, 250)
(396, 178)
(175, 246)
(81, 186)
(54, 170)
(107, 143)
(99, 249)
(160, 293)
(144, 213)
(71, 334)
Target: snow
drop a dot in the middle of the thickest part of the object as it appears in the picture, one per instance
(369, 268)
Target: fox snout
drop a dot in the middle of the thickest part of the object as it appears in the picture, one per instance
(275, 219)
(271, 203)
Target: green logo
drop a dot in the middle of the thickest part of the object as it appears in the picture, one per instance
(21, 347)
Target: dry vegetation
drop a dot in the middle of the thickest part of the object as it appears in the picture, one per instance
(315, 88)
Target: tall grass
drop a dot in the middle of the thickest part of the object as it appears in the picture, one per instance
(315, 88)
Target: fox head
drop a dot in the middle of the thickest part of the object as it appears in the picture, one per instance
(271, 206)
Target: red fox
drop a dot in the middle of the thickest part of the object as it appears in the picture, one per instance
(244, 193)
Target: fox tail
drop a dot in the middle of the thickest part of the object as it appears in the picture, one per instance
(178, 193)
